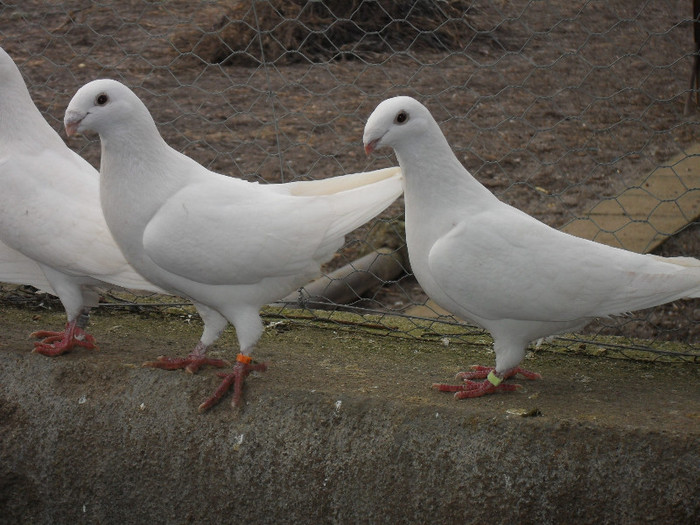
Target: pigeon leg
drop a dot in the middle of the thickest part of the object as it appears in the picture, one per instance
(244, 366)
(192, 363)
(57, 343)
(482, 372)
(493, 383)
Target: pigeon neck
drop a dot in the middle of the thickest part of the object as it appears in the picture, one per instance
(133, 130)
(135, 162)
(133, 141)
(431, 168)
(133, 176)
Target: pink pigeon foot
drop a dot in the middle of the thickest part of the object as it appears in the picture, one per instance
(192, 363)
(57, 343)
(244, 366)
(491, 384)
(474, 388)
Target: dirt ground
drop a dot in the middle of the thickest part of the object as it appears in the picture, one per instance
(343, 427)
(553, 109)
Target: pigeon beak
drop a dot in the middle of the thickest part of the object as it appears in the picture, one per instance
(371, 146)
(72, 122)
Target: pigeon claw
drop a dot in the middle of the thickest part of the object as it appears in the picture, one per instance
(484, 388)
(474, 389)
(471, 388)
(57, 343)
(236, 378)
(192, 363)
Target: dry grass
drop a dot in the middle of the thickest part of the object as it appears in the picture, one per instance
(241, 33)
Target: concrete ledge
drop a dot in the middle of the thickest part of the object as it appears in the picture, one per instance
(343, 428)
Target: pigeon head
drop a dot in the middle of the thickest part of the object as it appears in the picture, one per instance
(397, 122)
(104, 106)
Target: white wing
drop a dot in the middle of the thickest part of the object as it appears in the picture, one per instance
(227, 231)
(505, 264)
(15, 268)
(51, 214)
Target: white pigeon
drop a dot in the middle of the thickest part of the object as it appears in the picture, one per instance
(490, 263)
(228, 245)
(52, 231)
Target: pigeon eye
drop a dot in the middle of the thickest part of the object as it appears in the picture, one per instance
(401, 117)
(101, 100)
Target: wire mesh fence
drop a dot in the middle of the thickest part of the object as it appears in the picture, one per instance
(579, 113)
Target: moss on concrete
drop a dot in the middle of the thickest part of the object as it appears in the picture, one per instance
(343, 427)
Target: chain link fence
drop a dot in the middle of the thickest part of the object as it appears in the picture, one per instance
(575, 112)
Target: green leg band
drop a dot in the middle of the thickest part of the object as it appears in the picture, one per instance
(494, 379)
